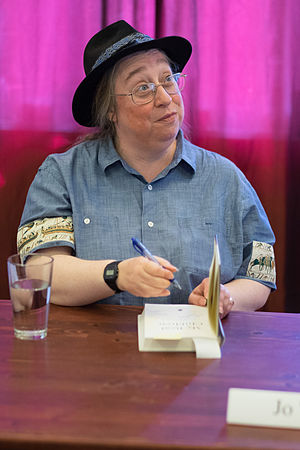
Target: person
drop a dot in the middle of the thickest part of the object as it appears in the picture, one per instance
(138, 176)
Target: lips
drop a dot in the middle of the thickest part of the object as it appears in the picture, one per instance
(166, 117)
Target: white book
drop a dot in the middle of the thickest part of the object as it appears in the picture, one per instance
(184, 327)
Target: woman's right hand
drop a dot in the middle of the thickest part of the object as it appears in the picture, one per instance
(144, 278)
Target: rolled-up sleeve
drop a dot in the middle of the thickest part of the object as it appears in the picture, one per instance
(47, 216)
(258, 240)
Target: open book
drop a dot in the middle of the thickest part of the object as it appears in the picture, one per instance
(184, 327)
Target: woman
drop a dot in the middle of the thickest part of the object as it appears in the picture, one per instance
(138, 177)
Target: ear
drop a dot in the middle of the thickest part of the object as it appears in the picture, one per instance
(112, 116)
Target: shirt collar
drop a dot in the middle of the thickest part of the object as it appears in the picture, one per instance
(184, 152)
(108, 155)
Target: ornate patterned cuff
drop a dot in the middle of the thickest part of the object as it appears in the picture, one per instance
(262, 262)
(42, 231)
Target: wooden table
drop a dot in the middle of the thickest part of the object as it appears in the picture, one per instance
(86, 386)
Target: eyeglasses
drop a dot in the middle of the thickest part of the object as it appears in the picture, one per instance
(145, 93)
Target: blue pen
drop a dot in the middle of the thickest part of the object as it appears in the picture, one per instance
(142, 250)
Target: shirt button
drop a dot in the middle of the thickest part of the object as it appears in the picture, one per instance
(87, 220)
(150, 224)
(150, 187)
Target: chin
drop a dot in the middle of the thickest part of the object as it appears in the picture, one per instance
(170, 134)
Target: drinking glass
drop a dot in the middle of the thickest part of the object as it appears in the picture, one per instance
(30, 285)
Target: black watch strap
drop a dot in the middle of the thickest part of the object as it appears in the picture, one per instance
(110, 275)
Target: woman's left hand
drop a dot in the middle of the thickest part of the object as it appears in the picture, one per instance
(200, 294)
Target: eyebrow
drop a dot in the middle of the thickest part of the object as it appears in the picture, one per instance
(133, 72)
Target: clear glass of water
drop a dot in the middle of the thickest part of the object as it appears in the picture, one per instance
(30, 286)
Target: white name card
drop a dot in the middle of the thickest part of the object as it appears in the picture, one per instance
(260, 408)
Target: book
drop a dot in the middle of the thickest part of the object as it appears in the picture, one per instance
(185, 327)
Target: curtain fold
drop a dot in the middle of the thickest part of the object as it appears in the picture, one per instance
(242, 97)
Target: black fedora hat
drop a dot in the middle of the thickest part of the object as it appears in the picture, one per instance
(107, 47)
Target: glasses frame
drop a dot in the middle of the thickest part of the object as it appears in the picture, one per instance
(155, 87)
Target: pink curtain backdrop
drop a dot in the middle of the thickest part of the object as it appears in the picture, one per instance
(242, 97)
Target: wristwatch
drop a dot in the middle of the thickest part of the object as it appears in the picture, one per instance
(110, 275)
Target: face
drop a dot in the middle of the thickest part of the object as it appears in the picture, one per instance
(155, 123)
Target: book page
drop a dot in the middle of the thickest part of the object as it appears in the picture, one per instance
(176, 321)
(214, 289)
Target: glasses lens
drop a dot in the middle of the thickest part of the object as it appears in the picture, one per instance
(180, 80)
(146, 92)
(143, 94)
(174, 83)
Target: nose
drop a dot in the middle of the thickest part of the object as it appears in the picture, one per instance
(162, 97)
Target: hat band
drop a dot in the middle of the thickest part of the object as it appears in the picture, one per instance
(134, 37)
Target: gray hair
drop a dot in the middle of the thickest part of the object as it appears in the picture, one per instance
(104, 105)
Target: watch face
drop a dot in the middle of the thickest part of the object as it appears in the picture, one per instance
(109, 272)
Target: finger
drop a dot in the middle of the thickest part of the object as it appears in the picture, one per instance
(153, 281)
(155, 293)
(225, 307)
(158, 271)
(202, 288)
(196, 299)
(205, 287)
(166, 264)
(148, 290)
(228, 302)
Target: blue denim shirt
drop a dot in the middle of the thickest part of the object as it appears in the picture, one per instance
(199, 195)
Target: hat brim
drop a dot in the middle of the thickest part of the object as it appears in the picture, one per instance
(178, 49)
